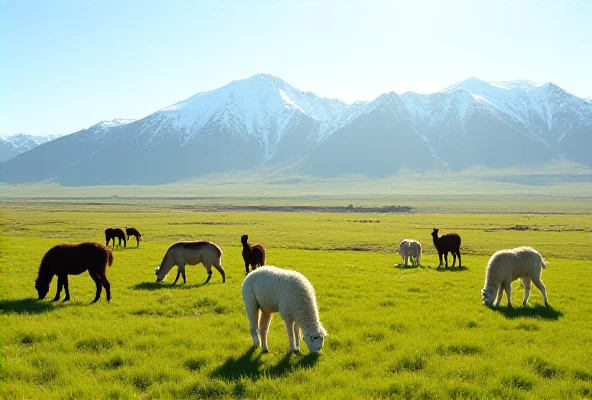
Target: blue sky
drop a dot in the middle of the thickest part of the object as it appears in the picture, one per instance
(65, 65)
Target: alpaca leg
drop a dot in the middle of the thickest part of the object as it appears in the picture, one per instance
(508, 288)
(500, 294)
(440, 257)
(246, 268)
(66, 289)
(253, 315)
(290, 331)
(453, 258)
(209, 269)
(296, 338)
(264, 322)
(180, 271)
(526, 284)
(459, 262)
(219, 268)
(60, 285)
(539, 284)
(99, 287)
(446, 258)
(107, 287)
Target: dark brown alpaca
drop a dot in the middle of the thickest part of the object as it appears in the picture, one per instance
(449, 243)
(253, 255)
(133, 232)
(115, 233)
(73, 259)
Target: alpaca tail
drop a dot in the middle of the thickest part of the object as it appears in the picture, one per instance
(110, 258)
(544, 263)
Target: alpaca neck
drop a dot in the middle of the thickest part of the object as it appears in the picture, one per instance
(435, 240)
(246, 246)
(307, 318)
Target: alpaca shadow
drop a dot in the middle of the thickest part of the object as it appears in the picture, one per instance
(537, 312)
(451, 269)
(164, 286)
(25, 306)
(403, 266)
(250, 365)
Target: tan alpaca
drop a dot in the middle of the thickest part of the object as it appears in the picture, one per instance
(192, 253)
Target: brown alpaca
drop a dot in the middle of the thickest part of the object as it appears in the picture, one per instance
(252, 255)
(73, 259)
(115, 233)
(133, 232)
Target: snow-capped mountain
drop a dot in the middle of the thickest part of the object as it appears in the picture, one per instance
(263, 121)
(12, 146)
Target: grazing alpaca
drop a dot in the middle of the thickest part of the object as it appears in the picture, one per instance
(409, 248)
(505, 266)
(113, 233)
(449, 243)
(252, 255)
(192, 253)
(133, 232)
(415, 252)
(270, 289)
(73, 259)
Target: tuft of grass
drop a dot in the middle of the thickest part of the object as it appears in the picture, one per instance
(195, 364)
(518, 381)
(581, 375)
(410, 363)
(95, 344)
(458, 349)
(544, 368)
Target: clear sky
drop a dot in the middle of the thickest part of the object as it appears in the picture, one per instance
(65, 65)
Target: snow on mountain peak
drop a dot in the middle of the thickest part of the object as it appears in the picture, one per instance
(260, 106)
(112, 123)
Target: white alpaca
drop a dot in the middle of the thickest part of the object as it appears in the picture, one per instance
(270, 289)
(409, 248)
(415, 252)
(505, 266)
(192, 253)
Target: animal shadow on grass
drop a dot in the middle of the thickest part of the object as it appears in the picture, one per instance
(538, 311)
(164, 286)
(451, 269)
(250, 365)
(403, 266)
(25, 306)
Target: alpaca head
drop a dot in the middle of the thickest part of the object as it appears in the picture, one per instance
(435, 233)
(160, 273)
(244, 239)
(42, 288)
(487, 297)
(315, 339)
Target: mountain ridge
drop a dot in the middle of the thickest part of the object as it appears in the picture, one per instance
(264, 121)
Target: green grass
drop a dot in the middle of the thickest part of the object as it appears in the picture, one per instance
(393, 332)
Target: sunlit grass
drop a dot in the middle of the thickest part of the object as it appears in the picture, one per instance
(398, 332)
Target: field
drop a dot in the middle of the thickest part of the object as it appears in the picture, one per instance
(393, 331)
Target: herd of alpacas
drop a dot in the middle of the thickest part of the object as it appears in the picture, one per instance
(267, 289)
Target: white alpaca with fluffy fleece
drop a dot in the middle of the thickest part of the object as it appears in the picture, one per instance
(409, 248)
(269, 290)
(505, 266)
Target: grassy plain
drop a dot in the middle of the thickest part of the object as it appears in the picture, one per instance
(393, 331)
